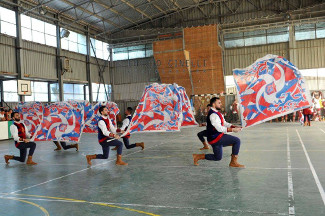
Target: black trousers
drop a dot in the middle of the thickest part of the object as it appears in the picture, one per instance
(105, 146)
(127, 143)
(23, 150)
(63, 144)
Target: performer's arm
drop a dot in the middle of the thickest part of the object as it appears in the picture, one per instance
(14, 133)
(216, 122)
(112, 128)
(103, 128)
(228, 125)
(28, 135)
(126, 123)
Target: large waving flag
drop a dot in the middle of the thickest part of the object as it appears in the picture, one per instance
(270, 87)
(93, 116)
(31, 113)
(187, 109)
(163, 107)
(62, 121)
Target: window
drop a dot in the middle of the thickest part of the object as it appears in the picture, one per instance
(305, 32)
(277, 35)
(10, 91)
(101, 49)
(7, 22)
(315, 78)
(54, 91)
(39, 92)
(132, 52)
(75, 43)
(320, 30)
(101, 93)
(258, 37)
(38, 31)
(73, 91)
(230, 81)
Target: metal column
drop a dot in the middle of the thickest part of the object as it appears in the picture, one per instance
(90, 88)
(111, 71)
(18, 46)
(58, 61)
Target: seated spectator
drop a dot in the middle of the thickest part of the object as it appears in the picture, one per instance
(9, 115)
(6, 115)
(2, 115)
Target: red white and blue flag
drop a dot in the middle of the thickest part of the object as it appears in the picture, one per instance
(31, 114)
(270, 88)
(163, 107)
(62, 121)
(93, 116)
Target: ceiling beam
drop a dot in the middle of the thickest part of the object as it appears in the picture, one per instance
(36, 7)
(91, 13)
(114, 11)
(73, 7)
(156, 6)
(171, 12)
(197, 2)
(136, 9)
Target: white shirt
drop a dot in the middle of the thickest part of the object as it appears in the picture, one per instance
(2, 115)
(102, 126)
(216, 122)
(14, 132)
(126, 123)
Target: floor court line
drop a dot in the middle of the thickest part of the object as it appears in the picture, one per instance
(28, 202)
(210, 167)
(290, 182)
(146, 205)
(79, 171)
(319, 185)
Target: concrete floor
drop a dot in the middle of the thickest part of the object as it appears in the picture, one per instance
(162, 180)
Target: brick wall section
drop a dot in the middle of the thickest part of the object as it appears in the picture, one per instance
(169, 55)
(205, 60)
(202, 43)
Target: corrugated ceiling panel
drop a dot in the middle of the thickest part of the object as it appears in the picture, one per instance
(39, 61)
(310, 54)
(94, 71)
(7, 55)
(243, 57)
(78, 66)
(135, 71)
(131, 91)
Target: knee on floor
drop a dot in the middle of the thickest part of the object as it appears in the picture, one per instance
(22, 160)
(217, 158)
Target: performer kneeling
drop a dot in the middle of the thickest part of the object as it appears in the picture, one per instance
(107, 132)
(204, 133)
(21, 136)
(65, 146)
(217, 128)
(126, 123)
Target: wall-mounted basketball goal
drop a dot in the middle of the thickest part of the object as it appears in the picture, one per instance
(24, 87)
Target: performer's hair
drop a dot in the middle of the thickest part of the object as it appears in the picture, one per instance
(12, 114)
(208, 105)
(214, 99)
(101, 109)
(129, 109)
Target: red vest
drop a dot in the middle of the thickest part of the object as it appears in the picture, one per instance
(101, 136)
(21, 131)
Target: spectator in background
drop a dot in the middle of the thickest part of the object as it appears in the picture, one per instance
(9, 115)
(6, 115)
(234, 111)
(2, 115)
(307, 116)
